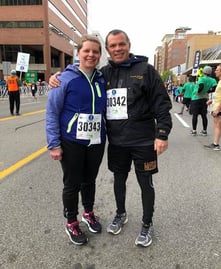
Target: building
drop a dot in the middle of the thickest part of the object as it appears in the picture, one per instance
(177, 52)
(45, 29)
(203, 42)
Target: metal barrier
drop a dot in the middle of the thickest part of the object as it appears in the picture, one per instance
(25, 91)
(3, 92)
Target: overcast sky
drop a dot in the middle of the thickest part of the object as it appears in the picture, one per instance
(146, 22)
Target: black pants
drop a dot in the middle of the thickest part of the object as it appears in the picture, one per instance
(199, 107)
(80, 165)
(145, 162)
(14, 99)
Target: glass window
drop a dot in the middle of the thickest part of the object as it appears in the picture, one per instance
(21, 24)
(20, 2)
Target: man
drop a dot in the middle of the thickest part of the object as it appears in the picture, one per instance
(13, 85)
(199, 98)
(138, 125)
(216, 112)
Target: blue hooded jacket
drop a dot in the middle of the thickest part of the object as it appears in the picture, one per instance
(76, 94)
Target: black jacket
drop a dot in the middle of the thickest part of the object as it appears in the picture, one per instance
(148, 103)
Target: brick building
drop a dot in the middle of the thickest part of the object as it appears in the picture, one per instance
(178, 50)
(45, 29)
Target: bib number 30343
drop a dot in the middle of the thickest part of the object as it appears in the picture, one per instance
(89, 127)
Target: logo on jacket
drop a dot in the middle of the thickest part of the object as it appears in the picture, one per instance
(137, 77)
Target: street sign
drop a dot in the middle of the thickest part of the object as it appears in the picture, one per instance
(31, 76)
(22, 62)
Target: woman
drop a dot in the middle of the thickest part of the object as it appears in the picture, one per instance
(75, 129)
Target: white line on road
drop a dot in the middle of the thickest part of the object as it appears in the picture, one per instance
(181, 120)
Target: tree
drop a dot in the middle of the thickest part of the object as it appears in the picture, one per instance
(167, 76)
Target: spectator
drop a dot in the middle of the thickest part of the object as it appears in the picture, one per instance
(199, 98)
(216, 112)
(34, 90)
(13, 84)
(187, 91)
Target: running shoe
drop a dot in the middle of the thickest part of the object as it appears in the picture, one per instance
(75, 234)
(144, 238)
(92, 222)
(203, 133)
(212, 146)
(115, 226)
(193, 132)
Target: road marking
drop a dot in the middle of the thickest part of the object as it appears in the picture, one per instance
(181, 120)
(23, 115)
(22, 162)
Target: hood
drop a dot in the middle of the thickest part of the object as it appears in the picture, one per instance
(75, 69)
(132, 59)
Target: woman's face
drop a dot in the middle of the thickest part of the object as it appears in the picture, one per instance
(89, 55)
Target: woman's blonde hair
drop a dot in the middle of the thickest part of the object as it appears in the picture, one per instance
(87, 37)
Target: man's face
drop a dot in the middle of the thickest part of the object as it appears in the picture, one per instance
(118, 48)
(218, 72)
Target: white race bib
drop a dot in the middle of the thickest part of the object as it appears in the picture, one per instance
(89, 127)
(117, 104)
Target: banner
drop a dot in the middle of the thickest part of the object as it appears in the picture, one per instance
(196, 63)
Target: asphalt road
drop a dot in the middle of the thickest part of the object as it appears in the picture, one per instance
(187, 219)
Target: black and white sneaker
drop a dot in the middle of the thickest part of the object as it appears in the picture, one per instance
(75, 234)
(203, 133)
(144, 239)
(212, 146)
(193, 132)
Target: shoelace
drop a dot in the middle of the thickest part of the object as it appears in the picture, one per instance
(117, 219)
(78, 230)
(91, 217)
(75, 229)
(146, 231)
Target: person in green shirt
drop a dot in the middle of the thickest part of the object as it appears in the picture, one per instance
(187, 90)
(199, 100)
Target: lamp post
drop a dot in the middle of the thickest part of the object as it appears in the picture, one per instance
(73, 29)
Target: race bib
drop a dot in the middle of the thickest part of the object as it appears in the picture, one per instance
(89, 127)
(117, 104)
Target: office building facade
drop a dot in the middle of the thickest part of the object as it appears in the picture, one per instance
(45, 29)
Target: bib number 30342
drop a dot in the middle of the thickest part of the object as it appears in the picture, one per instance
(117, 104)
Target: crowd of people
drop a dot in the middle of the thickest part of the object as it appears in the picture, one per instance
(198, 96)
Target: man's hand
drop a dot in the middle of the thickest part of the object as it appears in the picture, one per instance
(53, 80)
(160, 145)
